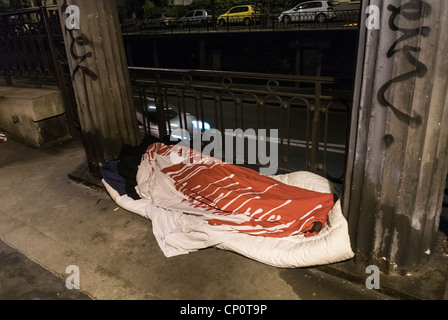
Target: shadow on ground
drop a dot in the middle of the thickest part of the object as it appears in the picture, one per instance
(23, 279)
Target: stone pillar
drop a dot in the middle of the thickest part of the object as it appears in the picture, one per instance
(397, 161)
(100, 78)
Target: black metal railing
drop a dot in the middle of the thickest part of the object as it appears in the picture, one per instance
(27, 45)
(298, 107)
(32, 52)
(338, 19)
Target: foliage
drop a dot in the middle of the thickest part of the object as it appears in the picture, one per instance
(277, 6)
(171, 11)
(148, 8)
(143, 8)
(122, 9)
(134, 7)
(222, 6)
(13, 5)
(3, 7)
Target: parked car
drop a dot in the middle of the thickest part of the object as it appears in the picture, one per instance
(158, 20)
(198, 17)
(147, 118)
(319, 11)
(240, 14)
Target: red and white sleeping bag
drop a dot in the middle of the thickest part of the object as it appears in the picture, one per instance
(195, 201)
(234, 196)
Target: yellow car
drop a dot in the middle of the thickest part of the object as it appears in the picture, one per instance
(240, 14)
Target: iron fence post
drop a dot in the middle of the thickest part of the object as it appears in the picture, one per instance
(160, 108)
(70, 104)
(315, 128)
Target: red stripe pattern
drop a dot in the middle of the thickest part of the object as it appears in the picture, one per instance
(258, 205)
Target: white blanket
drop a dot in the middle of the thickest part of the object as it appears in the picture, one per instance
(183, 230)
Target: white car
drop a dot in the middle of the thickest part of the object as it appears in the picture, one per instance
(147, 119)
(319, 11)
(158, 20)
(198, 17)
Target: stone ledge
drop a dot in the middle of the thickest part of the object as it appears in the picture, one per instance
(37, 104)
(34, 116)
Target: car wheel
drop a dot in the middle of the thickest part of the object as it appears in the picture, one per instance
(221, 23)
(287, 19)
(321, 18)
(246, 21)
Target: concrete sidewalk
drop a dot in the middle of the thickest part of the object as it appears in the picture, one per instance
(48, 222)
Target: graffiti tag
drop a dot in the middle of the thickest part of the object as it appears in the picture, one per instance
(72, 23)
(411, 11)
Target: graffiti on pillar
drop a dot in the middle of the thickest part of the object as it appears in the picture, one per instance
(414, 10)
(72, 24)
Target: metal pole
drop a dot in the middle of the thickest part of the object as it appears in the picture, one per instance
(397, 161)
(101, 81)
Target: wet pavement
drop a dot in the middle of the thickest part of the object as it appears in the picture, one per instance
(48, 222)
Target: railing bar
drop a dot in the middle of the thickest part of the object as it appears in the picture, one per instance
(34, 63)
(216, 105)
(282, 133)
(250, 96)
(222, 127)
(242, 114)
(146, 124)
(28, 60)
(202, 119)
(314, 140)
(236, 90)
(43, 55)
(160, 109)
(235, 109)
(181, 106)
(308, 123)
(236, 74)
(165, 109)
(19, 54)
(326, 137)
(288, 129)
(196, 104)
